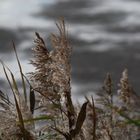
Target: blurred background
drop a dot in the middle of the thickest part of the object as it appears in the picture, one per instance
(104, 34)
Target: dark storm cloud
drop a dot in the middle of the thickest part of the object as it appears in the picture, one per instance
(71, 10)
(6, 37)
(91, 66)
(67, 9)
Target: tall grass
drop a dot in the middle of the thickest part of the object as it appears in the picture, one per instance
(44, 109)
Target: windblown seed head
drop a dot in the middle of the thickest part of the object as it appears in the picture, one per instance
(52, 74)
(125, 88)
(9, 128)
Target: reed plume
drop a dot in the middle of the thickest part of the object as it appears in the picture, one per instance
(52, 79)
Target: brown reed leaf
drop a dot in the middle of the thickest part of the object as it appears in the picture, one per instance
(4, 97)
(21, 73)
(32, 100)
(80, 120)
(94, 119)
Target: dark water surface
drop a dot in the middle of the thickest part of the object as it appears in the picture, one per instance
(105, 35)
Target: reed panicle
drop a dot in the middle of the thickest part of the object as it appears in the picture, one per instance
(125, 89)
(52, 78)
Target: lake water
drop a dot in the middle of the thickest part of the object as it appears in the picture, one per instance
(105, 35)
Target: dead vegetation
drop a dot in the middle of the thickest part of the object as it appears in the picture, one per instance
(47, 112)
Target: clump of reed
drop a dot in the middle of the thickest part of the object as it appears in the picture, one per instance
(46, 98)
